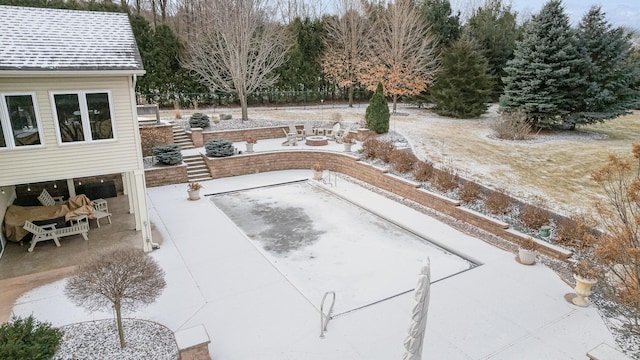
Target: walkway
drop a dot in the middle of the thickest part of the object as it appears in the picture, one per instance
(216, 277)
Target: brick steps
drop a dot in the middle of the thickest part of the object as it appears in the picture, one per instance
(197, 170)
(181, 138)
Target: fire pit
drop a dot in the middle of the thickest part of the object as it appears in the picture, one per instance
(317, 140)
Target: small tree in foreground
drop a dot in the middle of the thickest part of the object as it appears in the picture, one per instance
(618, 249)
(27, 338)
(377, 113)
(123, 278)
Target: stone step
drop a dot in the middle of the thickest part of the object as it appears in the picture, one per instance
(200, 178)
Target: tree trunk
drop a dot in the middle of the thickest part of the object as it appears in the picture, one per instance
(119, 322)
(395, 101)
(243, 105)
(351, 95)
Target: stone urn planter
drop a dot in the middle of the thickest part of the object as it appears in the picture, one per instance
(583, 290)
(347, 147)
(527, 257)
(527, 252)
(317, 171)
(250, 141)
(194, 190)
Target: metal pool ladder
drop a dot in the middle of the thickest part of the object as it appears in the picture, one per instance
(324, 319)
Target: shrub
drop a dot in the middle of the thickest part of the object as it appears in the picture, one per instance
(470, 192)
(533, 217)
(423, 171)
(168, 154)
(377, 149)
(576, 232)
(402, 161)
(512, 126)
(199, 120)
(497, 203)
(377, 113)
(27, 338)
(445, 181)
(219, 148)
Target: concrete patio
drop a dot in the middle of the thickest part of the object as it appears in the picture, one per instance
(218, 278)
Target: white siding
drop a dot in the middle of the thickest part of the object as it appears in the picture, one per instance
(54, 161)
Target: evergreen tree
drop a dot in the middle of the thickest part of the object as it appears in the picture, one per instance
(377, 113)
(493, 29)
(302, 70)
(444, 24)
(612, 72)
(544, 79)
(462, 87)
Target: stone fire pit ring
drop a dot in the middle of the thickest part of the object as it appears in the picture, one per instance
(317, 140)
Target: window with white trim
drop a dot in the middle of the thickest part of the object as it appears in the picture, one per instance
(83, 116)
(19, 121)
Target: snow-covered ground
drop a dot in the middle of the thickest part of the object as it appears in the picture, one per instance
(217, 277)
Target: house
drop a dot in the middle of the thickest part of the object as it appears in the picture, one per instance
(67, 104)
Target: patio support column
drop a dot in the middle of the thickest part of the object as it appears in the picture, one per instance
(139, 193)
(125, 186)
(128, 180)
(72, 187)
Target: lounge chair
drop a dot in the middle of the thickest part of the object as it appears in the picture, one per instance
(50, 232)
(47, 200)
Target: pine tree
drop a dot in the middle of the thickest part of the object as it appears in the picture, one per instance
(439, 15)
(493, 29)
(463, 86)
(544, 79)
(612, 72)
(377, 113)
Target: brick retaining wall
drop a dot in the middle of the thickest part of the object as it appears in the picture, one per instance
(166, 175)
(376, 176)
(241, 134)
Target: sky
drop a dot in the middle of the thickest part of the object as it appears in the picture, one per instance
(618, 12)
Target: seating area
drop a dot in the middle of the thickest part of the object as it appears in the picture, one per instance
(54, 219)
(312, 134)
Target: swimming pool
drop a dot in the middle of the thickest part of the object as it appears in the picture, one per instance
(321, 242)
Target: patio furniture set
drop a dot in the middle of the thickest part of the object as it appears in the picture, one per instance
(314, 136)
(79, 224)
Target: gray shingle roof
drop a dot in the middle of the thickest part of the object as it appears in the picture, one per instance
(52, 39)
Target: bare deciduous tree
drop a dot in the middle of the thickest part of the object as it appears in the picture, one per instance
(239, 50)
(345, 45)
(123, 278)
(618, 249)
(403, 54)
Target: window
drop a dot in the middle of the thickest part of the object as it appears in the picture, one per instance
(83, 116)
(19, 122)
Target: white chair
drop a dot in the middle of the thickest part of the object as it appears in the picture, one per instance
(47, 200)
(308, 129)
(291, 139)
(333, 132)
(294, 130)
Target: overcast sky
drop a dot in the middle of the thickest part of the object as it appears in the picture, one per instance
(618, 12)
